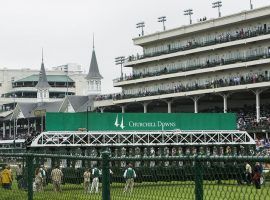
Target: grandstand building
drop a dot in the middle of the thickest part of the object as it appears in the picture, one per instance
(216, 65)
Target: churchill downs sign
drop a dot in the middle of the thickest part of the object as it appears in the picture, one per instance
(143, 124)
(140, 121)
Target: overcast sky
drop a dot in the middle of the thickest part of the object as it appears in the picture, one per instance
(64, 29)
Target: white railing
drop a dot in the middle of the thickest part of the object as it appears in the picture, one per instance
(141, 138)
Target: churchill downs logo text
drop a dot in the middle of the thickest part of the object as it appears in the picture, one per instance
(140, 124)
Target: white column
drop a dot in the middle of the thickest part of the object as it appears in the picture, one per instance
(101, 110)
(257, 93)
(35, 125)
(195, 106)
(4, 129)
(42, 125)
(28, 126)
(225, 101)
(10, 128)
(225, 105)
(169, 106)
(123, 109)
(145, 107)
(16, 128)
(196, 99)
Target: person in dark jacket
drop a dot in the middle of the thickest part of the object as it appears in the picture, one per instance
(257, 175)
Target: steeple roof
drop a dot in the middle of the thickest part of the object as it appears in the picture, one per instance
(42, 81)
(93, 70)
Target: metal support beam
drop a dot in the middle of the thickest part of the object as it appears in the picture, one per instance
(30, 172)
(106, 176)
(149, 138)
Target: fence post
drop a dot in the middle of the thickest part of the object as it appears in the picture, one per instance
(30, 172)
(198, 180)
(105, 176)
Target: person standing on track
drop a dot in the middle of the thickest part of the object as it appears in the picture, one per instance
(6, 178)
(86, 180)
(129, 175)
(257, 175)
(57, 177)
(96, 174)
(248, 173)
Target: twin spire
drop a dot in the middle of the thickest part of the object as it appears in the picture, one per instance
(93, 72)
(42, 80)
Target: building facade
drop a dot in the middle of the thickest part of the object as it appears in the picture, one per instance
(19, 84)
(27, 95)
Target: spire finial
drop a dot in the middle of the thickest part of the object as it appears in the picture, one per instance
(93, 41)
(42, 54)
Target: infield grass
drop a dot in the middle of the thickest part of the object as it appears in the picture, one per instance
(147, 191)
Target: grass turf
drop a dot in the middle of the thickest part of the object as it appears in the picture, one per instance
(148, 191)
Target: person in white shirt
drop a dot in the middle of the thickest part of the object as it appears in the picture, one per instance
(248, 173)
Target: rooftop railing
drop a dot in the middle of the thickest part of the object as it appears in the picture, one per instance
(223, 38)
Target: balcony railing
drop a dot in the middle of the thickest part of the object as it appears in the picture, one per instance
(223, 38)
(52, 85)
(25, 95)
(208, 64)
(107, 96)
(232, 81)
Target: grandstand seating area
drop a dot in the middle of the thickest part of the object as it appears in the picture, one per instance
(246, 117)
(175, 88)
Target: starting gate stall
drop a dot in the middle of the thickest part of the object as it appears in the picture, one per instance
(143, 135)
(138, 144)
